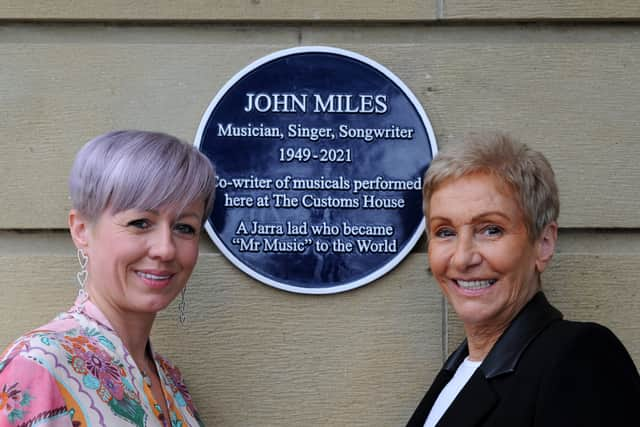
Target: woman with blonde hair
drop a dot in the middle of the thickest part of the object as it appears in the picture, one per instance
(491, 206)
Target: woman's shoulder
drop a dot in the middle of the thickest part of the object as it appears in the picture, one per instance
(166, 364)
(29, 389)
(588, 343)
(586, 375)
(37, 338)
(178, 387)
(52, 347)
(576, 333)
(171, 371)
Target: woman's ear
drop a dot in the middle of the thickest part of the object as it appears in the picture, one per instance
(546, 246)
(79, 228)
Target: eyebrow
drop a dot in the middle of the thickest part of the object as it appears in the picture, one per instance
(475, 218)
(181, 216)
(435, 218)
(186, 214)
(484, 214)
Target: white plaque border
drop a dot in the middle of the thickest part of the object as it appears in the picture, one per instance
(393, 262)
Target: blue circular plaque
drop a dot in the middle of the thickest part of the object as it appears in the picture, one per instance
(320, 154)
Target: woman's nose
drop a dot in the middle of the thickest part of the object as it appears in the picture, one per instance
(162, 245)
(466, 253)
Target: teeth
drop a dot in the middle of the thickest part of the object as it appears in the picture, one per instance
(153, 276)
(475, 284)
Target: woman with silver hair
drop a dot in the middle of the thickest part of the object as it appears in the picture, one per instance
(139, 202)
(491, 206)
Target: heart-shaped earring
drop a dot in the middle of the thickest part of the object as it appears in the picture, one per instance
(81, 276)
(83, 259)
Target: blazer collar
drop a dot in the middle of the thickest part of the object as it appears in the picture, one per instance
(472, 405)
(507, 351)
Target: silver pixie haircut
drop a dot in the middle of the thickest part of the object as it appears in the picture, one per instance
(132, 169)
(527, 172)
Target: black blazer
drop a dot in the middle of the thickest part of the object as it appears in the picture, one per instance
(543, 371)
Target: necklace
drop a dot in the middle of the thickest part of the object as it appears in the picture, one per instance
(146, 378)
(160, 413)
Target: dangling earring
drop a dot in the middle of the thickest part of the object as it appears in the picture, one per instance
(81, 276)
(181, 307)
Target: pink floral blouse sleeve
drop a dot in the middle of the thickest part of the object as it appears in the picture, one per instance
(29, 394)
(75, 371)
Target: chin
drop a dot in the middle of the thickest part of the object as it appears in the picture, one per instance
(154, 306)
(474, 312)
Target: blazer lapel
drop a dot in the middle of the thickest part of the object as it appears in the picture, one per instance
(442, 379)
(477, 398)
(422, 411)
(475, 401)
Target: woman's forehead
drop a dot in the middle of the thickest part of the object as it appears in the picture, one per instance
(474, 195)
(477, 179)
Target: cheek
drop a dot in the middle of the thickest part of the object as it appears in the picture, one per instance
(189, 254)
(437, 259)
(515, 261)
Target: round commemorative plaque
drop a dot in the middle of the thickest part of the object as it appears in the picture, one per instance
(319, 154)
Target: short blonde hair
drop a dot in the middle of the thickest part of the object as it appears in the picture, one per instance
(527, 172)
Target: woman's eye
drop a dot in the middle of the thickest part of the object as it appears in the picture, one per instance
(139, 223)
(492, 230)
(444, 232)
(185, 229)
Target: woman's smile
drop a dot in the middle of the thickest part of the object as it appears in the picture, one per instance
(479, 249)
(474, 284)
(154, 278)
(141, 260)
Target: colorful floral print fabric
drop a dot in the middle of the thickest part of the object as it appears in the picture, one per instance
(76, 372)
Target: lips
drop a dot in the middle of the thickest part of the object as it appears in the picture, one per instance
(475, 284)
(155, 279)
(152, 276)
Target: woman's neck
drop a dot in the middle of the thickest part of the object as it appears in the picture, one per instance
(481, 337)
(480, 341)
(133, 328)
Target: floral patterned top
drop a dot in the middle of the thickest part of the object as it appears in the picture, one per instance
(75, 371)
